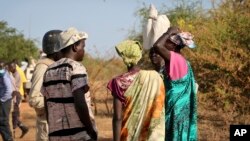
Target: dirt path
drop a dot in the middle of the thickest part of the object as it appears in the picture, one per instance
(213, 123)
(29, 119)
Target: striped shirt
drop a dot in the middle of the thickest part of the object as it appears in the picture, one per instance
(61, 79)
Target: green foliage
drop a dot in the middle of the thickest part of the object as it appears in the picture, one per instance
(223, 42)
(14, 45)
(183, 11)
(221, 61)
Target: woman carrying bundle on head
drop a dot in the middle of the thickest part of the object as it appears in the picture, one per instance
(181, 89)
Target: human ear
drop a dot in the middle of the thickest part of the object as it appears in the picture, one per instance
(74, 48)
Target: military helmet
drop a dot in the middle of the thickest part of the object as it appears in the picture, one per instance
(51, 41)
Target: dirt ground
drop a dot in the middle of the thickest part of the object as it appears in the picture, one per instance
(28, 118)
(103, 119)
(213, 124)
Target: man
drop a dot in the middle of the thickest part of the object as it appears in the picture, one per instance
(5, 103)
(17, 100)
(23, 79)
(65, 87)
(36, 99)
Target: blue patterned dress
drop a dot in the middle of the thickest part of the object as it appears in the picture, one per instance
(181, 108)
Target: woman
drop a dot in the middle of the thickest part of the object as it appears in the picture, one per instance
(157, 62)
(181, 104)
(138, 99)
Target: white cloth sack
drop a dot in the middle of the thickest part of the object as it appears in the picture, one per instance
(155, 27)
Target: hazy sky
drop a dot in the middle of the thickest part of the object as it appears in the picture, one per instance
(106, 21)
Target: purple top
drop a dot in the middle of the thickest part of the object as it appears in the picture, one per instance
(178, 66)
(120, 84)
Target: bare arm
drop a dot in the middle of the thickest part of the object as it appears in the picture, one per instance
(117, 119)
(82, 110)
(160, 48)
(163, 45)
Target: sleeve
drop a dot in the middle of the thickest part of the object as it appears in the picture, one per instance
(110, 86)
(116, 90)
(18, 80)
(21, 73)
(79, 77)
(36, 98)
(7, 82)
(178, 66)
(12, 80)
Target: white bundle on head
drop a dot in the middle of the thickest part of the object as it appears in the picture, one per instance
(155, 27)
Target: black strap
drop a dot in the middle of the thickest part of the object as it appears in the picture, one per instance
(55, 82)
(61, 100)
(64, 65)
(67, 132)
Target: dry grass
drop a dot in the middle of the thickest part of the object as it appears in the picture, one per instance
(217, 110)
(213, 121)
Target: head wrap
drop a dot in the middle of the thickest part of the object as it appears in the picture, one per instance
(130, 51)
(183, 39)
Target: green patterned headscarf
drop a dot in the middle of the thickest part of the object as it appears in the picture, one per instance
(130, 51)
